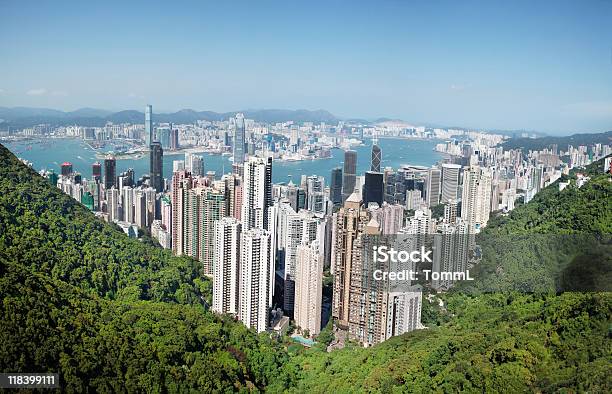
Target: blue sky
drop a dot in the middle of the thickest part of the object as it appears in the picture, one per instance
(537, 65)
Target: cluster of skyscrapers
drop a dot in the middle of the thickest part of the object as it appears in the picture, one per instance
(266, 246)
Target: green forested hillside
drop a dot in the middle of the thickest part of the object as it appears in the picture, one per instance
(112, 346)
(114, 314)
(107, 312)
(53, 234)
(495, 342)
(573, 210)
(561, 240)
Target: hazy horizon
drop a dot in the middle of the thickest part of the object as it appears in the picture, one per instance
(543, 66)
(353, 118)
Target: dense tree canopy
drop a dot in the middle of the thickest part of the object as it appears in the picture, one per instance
(495, 342)
(538, 244)
(53, 234)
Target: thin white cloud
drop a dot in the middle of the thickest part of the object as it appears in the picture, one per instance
(37, 92)
(458, 87)
(134, 95)
(1, 91)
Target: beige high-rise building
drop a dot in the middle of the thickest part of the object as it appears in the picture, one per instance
(367, 315)
(233, 191)
(368, 309)
(203, 206)
(140, 207)
(212, 211)
(390, 217)
(308, 288)
(349, 223)
(180, 182)
(151, 197)
(128, 204)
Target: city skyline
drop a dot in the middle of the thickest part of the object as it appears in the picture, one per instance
(271, 248)
(544, 67)
(392, 196)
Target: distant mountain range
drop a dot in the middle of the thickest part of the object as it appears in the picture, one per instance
(19, 117)
(22, 117)
(527, 144)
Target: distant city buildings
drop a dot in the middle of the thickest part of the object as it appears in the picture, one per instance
(335, 188)
(373, 189)
(109, 172)
(376, 156)
(450, 181)
(433, 187)
(96, 171)
(157, 167)
(149, 131)
(350, 174)
(239, 139)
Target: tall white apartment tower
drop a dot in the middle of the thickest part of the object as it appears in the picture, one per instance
(256, 278)
(309, 287)
(476, 198)
(296, 229)
(256, 193)
(194, 164)
(226, 266)
(112, 205)
(403, 311)
(140, 207)
(451, 247)
(128, 204)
